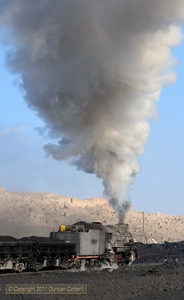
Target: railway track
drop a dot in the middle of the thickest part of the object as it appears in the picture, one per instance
(31, 273)
(135, 266)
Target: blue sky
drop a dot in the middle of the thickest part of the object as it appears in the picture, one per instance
(159, 187)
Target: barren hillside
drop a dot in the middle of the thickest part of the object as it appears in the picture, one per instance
(24, 214)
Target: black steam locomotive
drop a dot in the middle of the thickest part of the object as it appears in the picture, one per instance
(89, 244)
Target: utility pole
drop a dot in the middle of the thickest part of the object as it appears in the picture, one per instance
(143, 221)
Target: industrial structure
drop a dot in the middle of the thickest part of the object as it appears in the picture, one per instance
(88, 244)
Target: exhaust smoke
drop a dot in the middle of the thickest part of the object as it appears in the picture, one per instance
(92, 70)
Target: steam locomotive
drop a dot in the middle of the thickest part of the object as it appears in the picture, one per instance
(89, 244)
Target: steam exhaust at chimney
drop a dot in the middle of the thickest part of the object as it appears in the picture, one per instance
(92, 70)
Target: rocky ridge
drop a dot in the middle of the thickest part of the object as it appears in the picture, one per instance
(24, 214)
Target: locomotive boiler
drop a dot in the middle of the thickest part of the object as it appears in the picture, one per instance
(87, 244)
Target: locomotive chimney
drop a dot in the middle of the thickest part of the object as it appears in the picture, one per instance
(121, 219)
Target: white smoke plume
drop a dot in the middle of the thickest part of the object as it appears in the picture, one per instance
(92, 70)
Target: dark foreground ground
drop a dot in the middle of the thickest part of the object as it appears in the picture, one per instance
(158, 274)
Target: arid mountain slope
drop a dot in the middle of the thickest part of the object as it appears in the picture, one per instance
(24, 214)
